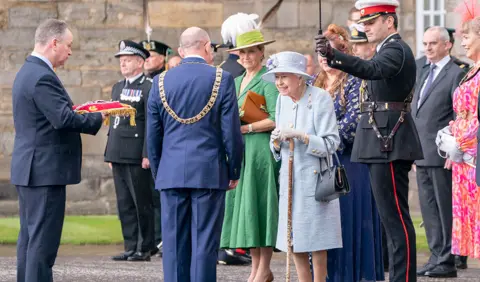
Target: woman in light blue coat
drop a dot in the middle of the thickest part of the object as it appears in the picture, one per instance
(305, 114)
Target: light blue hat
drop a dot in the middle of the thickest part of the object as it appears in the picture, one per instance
(286, 62)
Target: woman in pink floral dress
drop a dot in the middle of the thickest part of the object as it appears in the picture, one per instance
(465, 192)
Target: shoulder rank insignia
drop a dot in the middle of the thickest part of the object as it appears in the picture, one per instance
(461, 66)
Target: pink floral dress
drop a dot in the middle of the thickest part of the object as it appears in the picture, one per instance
(465, 192)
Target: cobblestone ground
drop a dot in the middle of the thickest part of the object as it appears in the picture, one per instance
(93, 264)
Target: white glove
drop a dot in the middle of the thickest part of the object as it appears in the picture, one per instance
(444, 131)
(275, 135)
(289, 133)
(448, 144)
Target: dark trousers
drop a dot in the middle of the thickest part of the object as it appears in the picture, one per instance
(390, 188)
(435, 194)
(191, 226)
(42, 211)
(135, 206)
(157, 208)
(384, 248)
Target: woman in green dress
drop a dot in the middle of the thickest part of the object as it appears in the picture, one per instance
(251, 210)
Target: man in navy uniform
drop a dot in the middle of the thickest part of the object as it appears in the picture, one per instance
(47, 152)
(156, 63)
(386, 137)
(127, 152)
(196, 149)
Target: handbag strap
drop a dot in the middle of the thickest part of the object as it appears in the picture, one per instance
(333, 154)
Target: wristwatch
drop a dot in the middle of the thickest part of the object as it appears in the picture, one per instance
(250, 128)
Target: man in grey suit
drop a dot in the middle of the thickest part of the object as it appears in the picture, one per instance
(432, 110)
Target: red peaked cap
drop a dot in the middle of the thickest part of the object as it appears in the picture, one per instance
(377, 9)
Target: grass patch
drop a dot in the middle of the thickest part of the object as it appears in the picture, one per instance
(422, 244)
(105, 230)
(77, 230)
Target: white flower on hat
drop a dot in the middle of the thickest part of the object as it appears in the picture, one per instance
(238, 24)
(358, 27)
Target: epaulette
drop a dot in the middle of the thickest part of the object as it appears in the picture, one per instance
(391, 40)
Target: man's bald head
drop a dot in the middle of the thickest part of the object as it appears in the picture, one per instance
(193, 40)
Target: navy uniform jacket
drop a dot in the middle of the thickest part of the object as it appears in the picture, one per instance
(204, 154)
(232, 66)
(390, 76)
(127, 144)
(48, 148)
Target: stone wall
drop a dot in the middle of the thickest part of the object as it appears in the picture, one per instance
(98, 26)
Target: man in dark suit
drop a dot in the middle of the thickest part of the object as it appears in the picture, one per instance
(386, 137)
(460, 261)
(422, 61)
(432, 110)
(127, 152)
(195, 148)
(47, 153)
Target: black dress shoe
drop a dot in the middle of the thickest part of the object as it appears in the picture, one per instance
(123, 256)
(461, 262)
(424, 269)
(140, 256)
(442, 271)
(154, 251)
(229, 257)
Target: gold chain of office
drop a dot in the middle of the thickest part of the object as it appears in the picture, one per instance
(203, 112)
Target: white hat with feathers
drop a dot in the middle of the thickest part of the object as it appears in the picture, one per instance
(238, 24)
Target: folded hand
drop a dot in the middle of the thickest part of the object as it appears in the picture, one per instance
(289, 133)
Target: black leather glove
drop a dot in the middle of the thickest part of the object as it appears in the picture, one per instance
(323, 47)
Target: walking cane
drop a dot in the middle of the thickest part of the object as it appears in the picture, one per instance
(289, 204)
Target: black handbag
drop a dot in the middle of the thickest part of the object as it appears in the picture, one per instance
(332, 182)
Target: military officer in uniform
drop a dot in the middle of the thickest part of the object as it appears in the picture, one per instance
(127, 152)
(386, 137)
(157, 61)
(155, 64)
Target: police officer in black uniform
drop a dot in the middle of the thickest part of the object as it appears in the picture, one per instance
(386, 137)
(127, 152)
(157, 61)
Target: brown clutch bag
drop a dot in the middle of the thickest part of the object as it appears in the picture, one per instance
(253, 108)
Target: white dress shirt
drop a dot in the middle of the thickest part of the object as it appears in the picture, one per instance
(133, 78)
(440, 65)
(35, 54)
